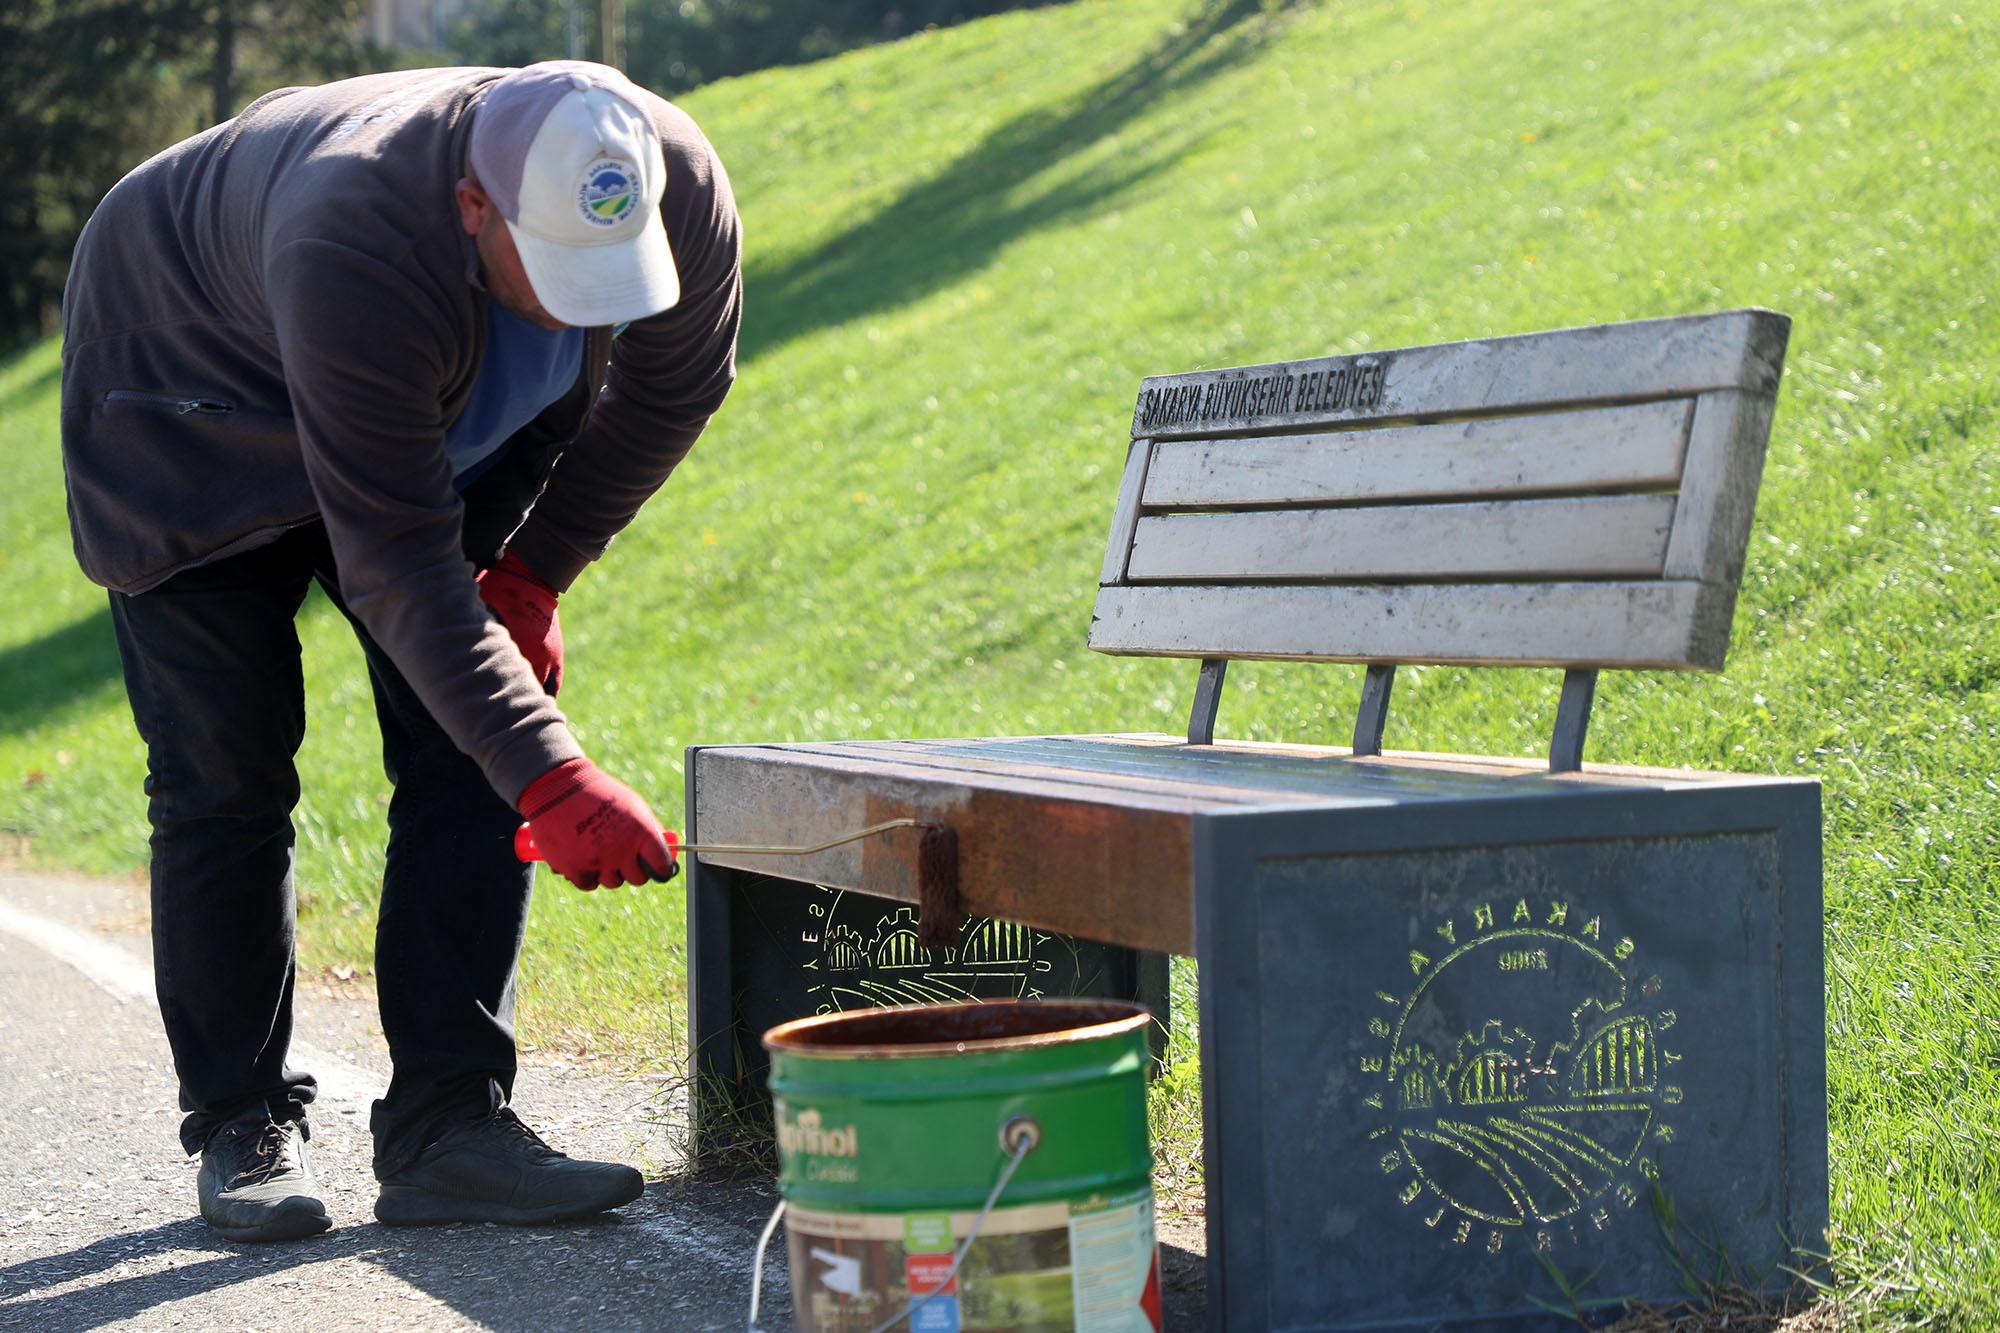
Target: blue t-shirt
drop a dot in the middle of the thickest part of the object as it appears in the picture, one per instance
(527, 367)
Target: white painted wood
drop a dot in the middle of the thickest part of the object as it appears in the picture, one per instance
(1621, 536)
(1629, 448)
(1725, 462)
(1619, 624)
(1633, 361)
(1130, 488)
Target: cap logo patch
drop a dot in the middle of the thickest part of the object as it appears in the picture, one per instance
(608, 193)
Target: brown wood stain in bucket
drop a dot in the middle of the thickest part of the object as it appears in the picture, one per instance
(929, 1029)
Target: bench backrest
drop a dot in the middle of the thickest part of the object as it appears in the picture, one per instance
(1580, 498)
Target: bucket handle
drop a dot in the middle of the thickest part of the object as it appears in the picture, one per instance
(1019, 1134)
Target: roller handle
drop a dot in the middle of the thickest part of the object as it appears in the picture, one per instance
(525, 849)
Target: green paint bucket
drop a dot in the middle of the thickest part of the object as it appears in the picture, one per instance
(896, 1127)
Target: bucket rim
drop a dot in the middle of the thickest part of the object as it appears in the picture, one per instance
(792, 1038)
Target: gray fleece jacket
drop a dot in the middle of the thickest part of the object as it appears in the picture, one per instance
(274, 322)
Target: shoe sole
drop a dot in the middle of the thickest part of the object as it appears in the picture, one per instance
(408, 1206)
(293, 1226)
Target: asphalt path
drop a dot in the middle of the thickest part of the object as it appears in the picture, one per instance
(97, 1203)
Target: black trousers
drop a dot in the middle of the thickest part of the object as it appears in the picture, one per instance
(211, 661)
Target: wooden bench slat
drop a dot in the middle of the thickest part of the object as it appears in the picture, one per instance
(1726, 447)
(1598, 537)
(1001, 759)
(1101, 855)
(1665, 624)
(1575, 460)
(1225, 772)
(1126, 513)
(1107, 864)
(1631, 362)
(1630, 448)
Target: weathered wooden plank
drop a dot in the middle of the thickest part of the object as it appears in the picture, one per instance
(1179, 780)
(1327, 774)
(1118, 873)
(1083, 860)
(925, 768)
(1520, 768)
(1601, 364)
(1616, 536)
(1719, 495)
(1126, 513)
(1550, 624)
(1726, 447)
(1221, 776)
(1630, 448)
(1708, 631)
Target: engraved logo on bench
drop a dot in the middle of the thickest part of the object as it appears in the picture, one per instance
(1521, 1089)
(869, 954)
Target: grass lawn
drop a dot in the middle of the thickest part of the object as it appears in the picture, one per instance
(964, 251)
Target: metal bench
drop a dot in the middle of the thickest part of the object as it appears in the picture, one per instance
(1467, 1025)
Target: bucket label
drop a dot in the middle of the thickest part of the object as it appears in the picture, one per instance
(1114, 1266)
(927, 1233)
(929, 1272)
(827, 1152)
(939, 1314)
(1083, 1265)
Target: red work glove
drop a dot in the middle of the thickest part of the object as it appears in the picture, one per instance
(593, 829)
(527, 607)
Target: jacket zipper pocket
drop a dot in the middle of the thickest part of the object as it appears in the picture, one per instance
(212, 406)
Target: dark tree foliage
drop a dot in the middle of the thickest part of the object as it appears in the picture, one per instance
(257, 45)
(93, 87)
(85, 81)
(673, 45)
(517, 32)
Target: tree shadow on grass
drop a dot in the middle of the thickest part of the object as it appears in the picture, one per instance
(36, 383)
(950, 225)
(46, 676)
(41, 678)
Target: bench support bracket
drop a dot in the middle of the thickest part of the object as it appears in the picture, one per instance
(1207, 700)
(1373, 715)
(1572, 719)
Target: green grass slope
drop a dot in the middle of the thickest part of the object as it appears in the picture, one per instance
(964, 251)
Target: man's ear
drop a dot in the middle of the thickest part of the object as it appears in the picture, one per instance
(473, 205)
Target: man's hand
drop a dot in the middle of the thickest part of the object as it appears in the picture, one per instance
(527, 607)
(594, 830)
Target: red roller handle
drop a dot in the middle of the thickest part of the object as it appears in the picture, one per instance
(525, 849)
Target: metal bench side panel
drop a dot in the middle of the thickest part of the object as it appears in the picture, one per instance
(1333, 947)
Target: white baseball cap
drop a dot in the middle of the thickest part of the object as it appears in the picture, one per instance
(569, 156)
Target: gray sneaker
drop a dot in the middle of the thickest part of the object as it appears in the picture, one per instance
(496, 1169)
(256, 1183)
